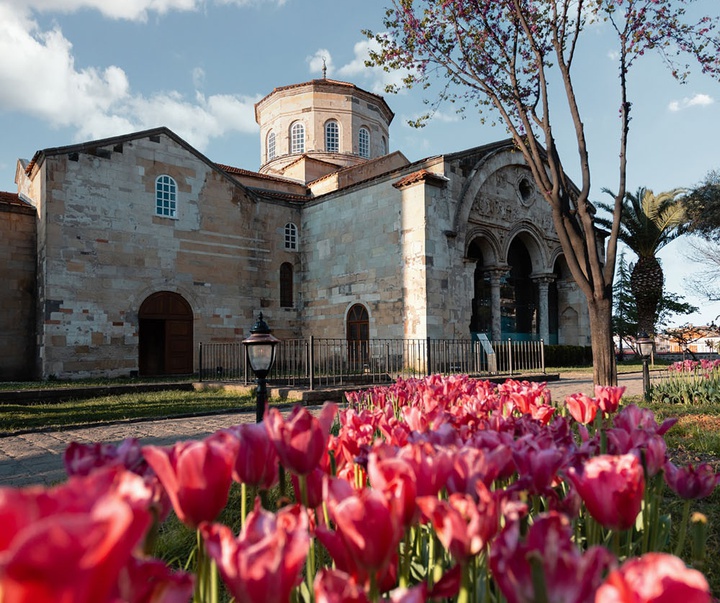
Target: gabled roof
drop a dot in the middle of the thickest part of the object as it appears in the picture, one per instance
(93, 146)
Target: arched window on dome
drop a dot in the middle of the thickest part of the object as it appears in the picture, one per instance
(297, 138)
(271, 146)
(383, 145)
(364, 142)
(332, 136)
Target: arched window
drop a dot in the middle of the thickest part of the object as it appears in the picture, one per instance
(358, 334)
(165, 197)
(364, 142)
(291, 237)
(297, 138)
(271, 146)
(332, 137)
(286, 285)
(383, 145)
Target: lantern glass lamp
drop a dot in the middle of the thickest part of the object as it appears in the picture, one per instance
(645, 345)
(260, 348)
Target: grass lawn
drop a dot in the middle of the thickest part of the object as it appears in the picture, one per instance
(149, 405)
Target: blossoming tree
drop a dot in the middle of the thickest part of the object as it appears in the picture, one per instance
(503, 55)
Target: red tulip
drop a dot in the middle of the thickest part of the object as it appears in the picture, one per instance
(608, 397)
(612, 489)
(302, 439)
(263, 564)
(691, 482)
(152, 581)
(430, 464)
(569, 575)
(654, 578)
(69, 544)
(256, 461)
(196, 476)
(582, 408)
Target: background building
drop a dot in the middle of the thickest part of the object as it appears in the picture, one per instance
(129, 251)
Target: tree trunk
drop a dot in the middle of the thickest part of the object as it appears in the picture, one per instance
(601, 337)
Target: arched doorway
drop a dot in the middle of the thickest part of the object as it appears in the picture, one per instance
(166, 335)
(519, 295)
(358, 334)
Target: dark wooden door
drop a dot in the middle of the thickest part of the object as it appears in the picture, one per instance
(166, 335)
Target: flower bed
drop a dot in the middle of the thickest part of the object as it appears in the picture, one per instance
(443, 488)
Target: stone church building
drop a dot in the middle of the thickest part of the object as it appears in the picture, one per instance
(119, 256)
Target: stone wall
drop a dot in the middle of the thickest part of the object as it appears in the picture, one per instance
(107, 252)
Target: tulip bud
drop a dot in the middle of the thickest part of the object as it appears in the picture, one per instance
(698, 538)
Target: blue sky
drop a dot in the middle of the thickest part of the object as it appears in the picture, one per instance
(77, 70)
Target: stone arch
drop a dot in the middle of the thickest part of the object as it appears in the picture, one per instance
(491, 161)
(482, 242)
(165, 321)
(532, 238)
(483, 249)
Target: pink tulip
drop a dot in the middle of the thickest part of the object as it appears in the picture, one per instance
(582, 408)
(654, 578)
(196, 476)
(82, 459)
(569, 575)
(608, 397)
(691, 482)
(366, 526)
(395, 478)
(263, 564)
(70, 543)
(612, 489)
(334, 586)
(256, 461)
(463, 527)
(302, 439)
(632, 417)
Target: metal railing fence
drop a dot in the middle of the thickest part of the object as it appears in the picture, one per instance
(318, 362)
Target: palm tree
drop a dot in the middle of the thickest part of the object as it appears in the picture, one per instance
(648, 223)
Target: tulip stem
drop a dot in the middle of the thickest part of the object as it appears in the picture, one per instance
(304, 498)
(243, 504)
(464, 594)
(683, 529)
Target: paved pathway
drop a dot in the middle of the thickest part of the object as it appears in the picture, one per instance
(36, 458)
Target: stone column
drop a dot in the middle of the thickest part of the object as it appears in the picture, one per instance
(496, 276)
(543, 283)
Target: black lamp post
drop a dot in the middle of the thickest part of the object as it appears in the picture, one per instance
(645, 345)
(260, 347)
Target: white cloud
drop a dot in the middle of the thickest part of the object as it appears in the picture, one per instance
(378, 79)
(38, 77)
(699, 100)
(132, 10)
